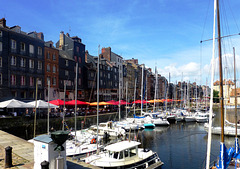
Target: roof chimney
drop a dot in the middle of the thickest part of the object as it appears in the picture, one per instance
(61, 40)
(40, 35)
(3, 22)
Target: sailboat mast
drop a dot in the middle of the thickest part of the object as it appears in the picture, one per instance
(155, 93)
(235, 94)
(142, 90)
(126, 98)
(76, 102)
(220, 73)
(211, 98)
(98, 91)
(119, 96)
(135, 94)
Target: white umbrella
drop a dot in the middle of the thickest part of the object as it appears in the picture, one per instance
(13, 103)
(41, 104)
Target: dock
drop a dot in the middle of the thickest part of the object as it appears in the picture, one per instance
(23, 154)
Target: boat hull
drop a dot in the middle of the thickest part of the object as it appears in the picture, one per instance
(152, 161)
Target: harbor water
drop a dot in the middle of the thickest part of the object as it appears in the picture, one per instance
(184, 145)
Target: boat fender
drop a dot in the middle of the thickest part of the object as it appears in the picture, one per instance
(146, 165)
(93, 141)
(156, 160)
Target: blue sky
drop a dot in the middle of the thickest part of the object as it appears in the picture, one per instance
(166, 33)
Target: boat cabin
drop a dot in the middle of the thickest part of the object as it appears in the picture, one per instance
(122, 150)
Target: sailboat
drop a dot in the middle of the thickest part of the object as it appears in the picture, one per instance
(157, 121)
(80, 144)
(148, 124)
(228, 158)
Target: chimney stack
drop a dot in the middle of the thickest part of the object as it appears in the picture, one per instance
(3, 22)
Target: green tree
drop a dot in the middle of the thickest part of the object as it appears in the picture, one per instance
(215, 96)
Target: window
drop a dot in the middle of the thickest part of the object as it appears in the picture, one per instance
(31, 81)
(31, 49)
(13, 60)
(39, 65)
(31, 63)
(31, 94)
(48, 55)
(115, 155)
(23, 95)
(66, 73)
(39, 82)
(14, 93)
(13, 80)
(79, 70)
(23, 62)
(54, 69)
(66, 62)
(39, 51)
(48, 68)
(80, 81)
(22, 47)
(108, 75)
(0, 46)
(54, 57)
(132, 152)
(80, 60)
(0, 78)
(13, 44)
(121, 155)
(77, 49)
(1, 33)
(23, 81)
(54, 81)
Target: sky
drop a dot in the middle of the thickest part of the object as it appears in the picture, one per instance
(159, 33)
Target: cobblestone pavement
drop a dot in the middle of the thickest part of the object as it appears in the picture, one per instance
(17, 161)
(22, 151)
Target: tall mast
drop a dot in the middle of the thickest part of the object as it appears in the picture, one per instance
(135, 94)
(142, 90)
(126, 97)
(155, 93)
(235, 95)
(76, 102)
(211, 99)
(220, 72)
(98, 91)
(119, 95)
(146, 93)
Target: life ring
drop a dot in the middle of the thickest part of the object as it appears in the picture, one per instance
(93, 141)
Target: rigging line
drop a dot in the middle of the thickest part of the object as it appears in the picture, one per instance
(233, 15)
(204, 25)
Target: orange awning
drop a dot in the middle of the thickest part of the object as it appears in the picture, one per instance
(100, 104)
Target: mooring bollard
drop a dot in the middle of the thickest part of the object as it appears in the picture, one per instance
(8, 155)
(45, 165)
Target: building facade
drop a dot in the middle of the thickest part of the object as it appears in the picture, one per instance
(51, 71)
(21, 63)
